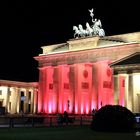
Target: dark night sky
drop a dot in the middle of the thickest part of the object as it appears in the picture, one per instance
(26, 26)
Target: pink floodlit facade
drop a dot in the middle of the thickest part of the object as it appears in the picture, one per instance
(61, 90)
(80, 80)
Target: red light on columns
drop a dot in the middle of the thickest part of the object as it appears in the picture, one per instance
(50, 108)
(76, 109)
(82, 109)
(87, 109)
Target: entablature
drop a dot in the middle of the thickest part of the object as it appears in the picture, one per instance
(90, 55)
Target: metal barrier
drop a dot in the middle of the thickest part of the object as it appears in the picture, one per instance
(41, 121)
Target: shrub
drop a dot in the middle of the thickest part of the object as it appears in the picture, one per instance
(113, 118)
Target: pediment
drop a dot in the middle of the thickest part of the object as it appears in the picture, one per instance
(128, 60)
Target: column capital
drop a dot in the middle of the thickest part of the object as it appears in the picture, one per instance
(42, 68)
(115, 72)
(115, 75)
(130, 72)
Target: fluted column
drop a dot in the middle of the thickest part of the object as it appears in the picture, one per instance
(42, 89)
(60, 89)
(35, 95)
(77, 83)
(31, 100)
(130, 104)
(26, 102)
(56, 87)
(94, 93)
(116, 89)
(72, 86)
(7, 100)
(16, 102)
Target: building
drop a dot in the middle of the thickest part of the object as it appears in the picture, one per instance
(78, 76)
(18, 97)
(88, 73)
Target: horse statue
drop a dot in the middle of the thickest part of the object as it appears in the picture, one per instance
(97, 28)
(77, 32)
(89, 29)
(83, 32)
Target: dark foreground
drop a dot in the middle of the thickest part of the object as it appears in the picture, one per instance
(62, 133)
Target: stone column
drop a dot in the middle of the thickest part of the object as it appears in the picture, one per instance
(56, 88)
(94, 94)
(40, 92)
(17, 101)
(72, 85)
(60, 90)
(74, 70)
(42, 88)
(126, 91)
(77, 82)
(130, 104)
(35, 94)
(26, 102)
(116, 89)
(31, 101)
(7, 100)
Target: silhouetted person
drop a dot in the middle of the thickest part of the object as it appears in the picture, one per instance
(60, 119)
(66, 118)
(93, 112)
